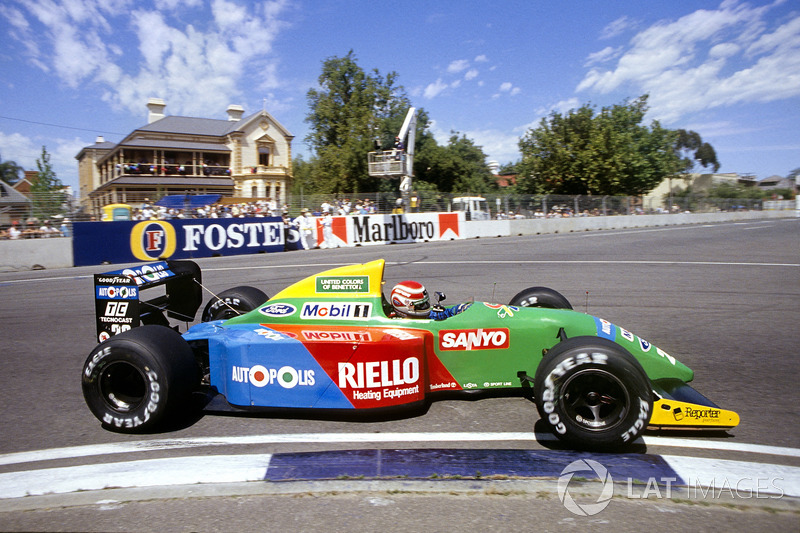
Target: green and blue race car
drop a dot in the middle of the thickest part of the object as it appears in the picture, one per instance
(330, 341)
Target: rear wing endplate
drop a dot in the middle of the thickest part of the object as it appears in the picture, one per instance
(119, 306)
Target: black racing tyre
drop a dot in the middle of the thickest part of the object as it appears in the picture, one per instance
(540, 297)
(135, 381)
(592, 393)
(233, 302)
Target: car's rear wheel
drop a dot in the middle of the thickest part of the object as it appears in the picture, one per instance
(592, 393)
(540, 297)
(233, 302)
(135, 381)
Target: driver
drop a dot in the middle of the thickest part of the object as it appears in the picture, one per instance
(410, 300)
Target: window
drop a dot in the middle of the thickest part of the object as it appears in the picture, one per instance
(263, 156)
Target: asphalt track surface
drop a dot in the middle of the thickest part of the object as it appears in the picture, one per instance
(722, 298)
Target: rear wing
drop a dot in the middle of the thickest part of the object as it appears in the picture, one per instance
(119, 306)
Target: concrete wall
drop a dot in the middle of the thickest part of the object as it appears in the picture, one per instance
(32, 254)
(567, 225)
(57, 252)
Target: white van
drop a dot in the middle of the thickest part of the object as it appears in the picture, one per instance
(474, 207)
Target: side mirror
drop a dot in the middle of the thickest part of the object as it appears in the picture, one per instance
(440, 297)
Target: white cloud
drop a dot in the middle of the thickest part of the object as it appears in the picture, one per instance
(471, 74)
(457, 66)
(705, 59)
(606, 54)
(617, 27)
(498, 145)
(507, 87)
(724, 50)
(434, 89)
(195, 68)
(481, 58)
(25, 151)
(20, 149)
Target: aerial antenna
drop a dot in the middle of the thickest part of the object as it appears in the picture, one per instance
(586, 308)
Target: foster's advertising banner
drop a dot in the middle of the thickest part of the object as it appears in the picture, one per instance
(95, 243)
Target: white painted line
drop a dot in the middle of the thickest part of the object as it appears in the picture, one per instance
(722, 445)
(146, 473)
(354, 438)
(742, 479)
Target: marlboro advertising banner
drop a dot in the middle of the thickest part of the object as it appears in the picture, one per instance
(334, 232)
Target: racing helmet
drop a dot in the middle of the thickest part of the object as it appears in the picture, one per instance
(409, 298)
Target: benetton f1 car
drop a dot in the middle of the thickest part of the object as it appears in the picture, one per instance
(330, 342)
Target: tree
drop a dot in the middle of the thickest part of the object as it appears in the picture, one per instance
(349, 111)
(352, 111)
(10, 171)
(47, 191)
(607, 153)
(689, 146)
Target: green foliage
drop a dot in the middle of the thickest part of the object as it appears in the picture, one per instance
(605, 153)
(689, 146)
(10, 171)
(351, 112)
(508, 169)
(47, 191)
(458, 167)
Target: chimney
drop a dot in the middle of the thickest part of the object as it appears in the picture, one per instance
(100, 139)
(155, 106)
(235, 112)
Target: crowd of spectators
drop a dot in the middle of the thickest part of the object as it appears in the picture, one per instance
(260, 208)
(34, 229)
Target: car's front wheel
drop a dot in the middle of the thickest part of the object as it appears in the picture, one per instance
(140, 378)
(592, 393)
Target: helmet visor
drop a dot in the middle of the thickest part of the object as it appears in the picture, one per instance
(421, 305)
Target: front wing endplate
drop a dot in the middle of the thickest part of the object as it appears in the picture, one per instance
(679, 406)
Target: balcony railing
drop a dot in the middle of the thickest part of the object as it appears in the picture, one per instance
(171, 169)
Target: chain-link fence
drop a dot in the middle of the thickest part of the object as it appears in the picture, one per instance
(523, 206)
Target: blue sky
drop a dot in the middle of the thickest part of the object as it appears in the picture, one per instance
(76, 69)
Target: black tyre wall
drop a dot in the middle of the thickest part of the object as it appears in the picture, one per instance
(138, 379)
(233, 302)
(540, 297)
(593, 394)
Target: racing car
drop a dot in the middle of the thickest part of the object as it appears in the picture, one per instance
(330, 341)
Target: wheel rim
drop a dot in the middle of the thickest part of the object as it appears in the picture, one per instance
(595, 399)
(122, 386)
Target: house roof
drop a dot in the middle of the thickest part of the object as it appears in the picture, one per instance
(771, 180)
(11, 196)
(191, 125)
(208, 126)
(177, 125)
